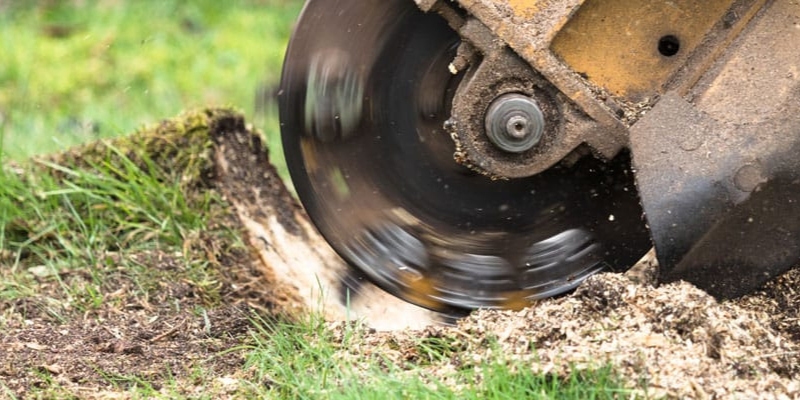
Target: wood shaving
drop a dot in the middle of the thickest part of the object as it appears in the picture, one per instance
(673, 341)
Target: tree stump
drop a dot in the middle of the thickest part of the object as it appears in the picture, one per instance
(293, 254)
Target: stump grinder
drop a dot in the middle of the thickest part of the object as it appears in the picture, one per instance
(470, 154)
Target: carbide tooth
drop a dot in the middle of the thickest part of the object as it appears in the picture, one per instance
(515, 301)
(422, 292)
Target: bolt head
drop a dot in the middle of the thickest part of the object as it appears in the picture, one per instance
(514, 123)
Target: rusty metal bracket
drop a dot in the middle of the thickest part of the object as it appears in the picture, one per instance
(492, 70)
(614, 58)
(497, 73)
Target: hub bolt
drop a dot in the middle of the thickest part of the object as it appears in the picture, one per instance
(514, 123)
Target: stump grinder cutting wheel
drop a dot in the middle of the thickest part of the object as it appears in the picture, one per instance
(487, 153)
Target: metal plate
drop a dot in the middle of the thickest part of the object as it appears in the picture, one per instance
(363, 99)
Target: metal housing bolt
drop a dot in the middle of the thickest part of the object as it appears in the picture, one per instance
(514, 123)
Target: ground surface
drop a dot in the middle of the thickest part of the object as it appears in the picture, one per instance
(668, 341)
(178, 330)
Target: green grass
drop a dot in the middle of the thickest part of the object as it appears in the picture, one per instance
(75, 71)
(299, 361)
(67, 216)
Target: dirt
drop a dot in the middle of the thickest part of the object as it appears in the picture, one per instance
(130, 340)
(668, 341)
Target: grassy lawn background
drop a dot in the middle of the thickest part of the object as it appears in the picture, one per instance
(75, 71)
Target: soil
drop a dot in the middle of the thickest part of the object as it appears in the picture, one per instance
(673, 340)
(124, 344)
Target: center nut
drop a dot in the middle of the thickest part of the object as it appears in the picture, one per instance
(514, 123)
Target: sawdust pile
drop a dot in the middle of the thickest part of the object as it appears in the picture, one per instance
(670, 341)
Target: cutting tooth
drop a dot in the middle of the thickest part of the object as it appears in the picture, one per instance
(339, 183)
(307, 147)
(334, 95)
(515, 301)
(422, 291)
